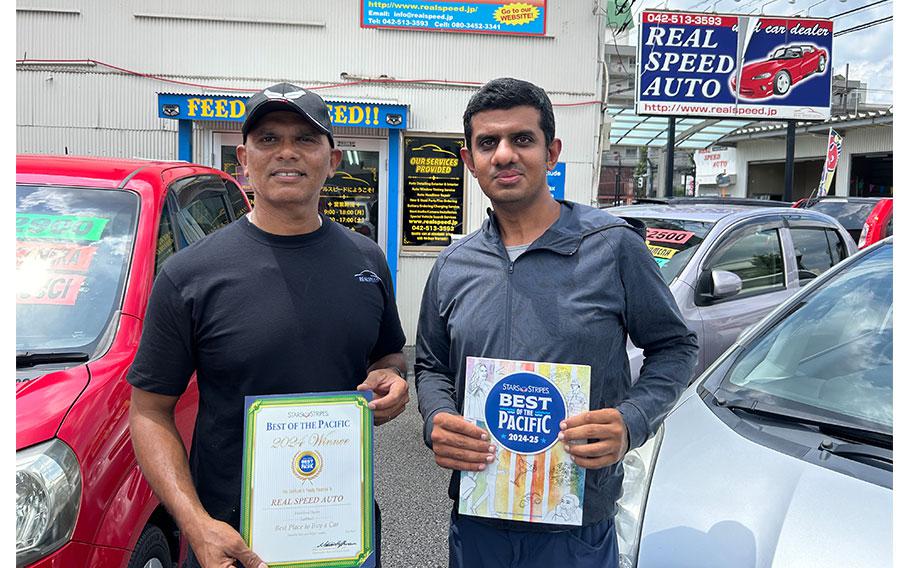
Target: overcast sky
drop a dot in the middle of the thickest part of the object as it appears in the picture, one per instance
(869, 52)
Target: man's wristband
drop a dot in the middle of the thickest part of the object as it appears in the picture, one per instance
(399, 371)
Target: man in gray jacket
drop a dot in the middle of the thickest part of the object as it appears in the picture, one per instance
(544, 280)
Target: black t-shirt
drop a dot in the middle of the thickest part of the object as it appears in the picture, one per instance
(256, 314)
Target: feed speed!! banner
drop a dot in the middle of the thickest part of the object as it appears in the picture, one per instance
(721, 65)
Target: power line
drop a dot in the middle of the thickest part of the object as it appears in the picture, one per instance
(835, 16)
(864, 26)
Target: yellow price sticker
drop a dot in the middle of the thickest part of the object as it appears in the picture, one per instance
(662, 252)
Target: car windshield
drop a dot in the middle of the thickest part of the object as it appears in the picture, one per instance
(787, 53)
(72, 254)
(672, 242)
(851, 215)
(834, 353)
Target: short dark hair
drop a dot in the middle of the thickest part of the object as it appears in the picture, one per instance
(506, 93)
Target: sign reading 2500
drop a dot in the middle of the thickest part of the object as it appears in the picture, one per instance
(228, 108)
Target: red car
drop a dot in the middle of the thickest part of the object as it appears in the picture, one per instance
(861, 216)
(880, 223)
(90, 235)
(785, 67)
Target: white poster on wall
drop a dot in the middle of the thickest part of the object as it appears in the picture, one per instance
(715, 166)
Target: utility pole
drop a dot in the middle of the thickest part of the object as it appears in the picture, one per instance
(846, 88)
(788, 166)
(617, 180)
(671, 149)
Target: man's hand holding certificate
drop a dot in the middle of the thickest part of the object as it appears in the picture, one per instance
(308, 479)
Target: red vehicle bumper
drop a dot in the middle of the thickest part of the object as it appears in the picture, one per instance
(76, 554)
(751, 89)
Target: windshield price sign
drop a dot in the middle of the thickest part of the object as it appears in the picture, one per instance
(59, 227)
(717, 65)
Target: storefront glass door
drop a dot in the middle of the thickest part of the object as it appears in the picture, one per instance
(225, 150)
(353, 197)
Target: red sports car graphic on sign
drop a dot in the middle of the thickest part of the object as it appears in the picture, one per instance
(785, 67)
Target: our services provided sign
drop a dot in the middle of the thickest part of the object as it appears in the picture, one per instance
(527, 17)
(233, 108)
(433, 205)
(717, 65)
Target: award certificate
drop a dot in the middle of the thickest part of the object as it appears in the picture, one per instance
(308, 480)
(520, 404)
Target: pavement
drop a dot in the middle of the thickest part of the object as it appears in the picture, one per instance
(412, 493)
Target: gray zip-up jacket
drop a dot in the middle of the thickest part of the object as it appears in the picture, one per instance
(574, 296)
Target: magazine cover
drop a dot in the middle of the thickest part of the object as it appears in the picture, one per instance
(520, 404)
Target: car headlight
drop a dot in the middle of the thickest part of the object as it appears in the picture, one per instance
(48, 490)
(638, 465)
(762, 76)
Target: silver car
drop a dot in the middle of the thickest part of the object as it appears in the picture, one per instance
(729, 265)
(781, 453)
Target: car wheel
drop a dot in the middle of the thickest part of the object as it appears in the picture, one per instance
(152, 550)
(781, 83)
(821, 64)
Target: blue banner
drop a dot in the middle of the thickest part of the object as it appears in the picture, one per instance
(518, 18)
(556, 180)
(233, 108)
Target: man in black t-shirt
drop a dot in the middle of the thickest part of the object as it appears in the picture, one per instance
(282, 301)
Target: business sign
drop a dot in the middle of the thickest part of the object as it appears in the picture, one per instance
(233, 108)
(556, 181)
(835, 145)
(433, 200)
(750, 67)
(528, 17)
(712, 164)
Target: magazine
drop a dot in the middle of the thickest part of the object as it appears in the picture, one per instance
(521, 404)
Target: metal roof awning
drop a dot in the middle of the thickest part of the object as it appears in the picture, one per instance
(757, 130)
(630, 129)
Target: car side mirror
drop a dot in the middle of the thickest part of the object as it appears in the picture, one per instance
(724, 284)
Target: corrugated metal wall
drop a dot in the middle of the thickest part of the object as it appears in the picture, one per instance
(90, 114)
(308, 42)
(862, 140)
(152, 37)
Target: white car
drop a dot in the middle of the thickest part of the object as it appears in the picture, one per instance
(780, 454)
(729, 264)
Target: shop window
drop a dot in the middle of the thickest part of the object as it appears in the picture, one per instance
(351, 196)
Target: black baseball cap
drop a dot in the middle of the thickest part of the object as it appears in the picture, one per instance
(288, 97)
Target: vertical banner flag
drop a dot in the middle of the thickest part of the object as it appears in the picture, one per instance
(835, 143)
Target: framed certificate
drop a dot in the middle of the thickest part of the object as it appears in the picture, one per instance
(307, 496)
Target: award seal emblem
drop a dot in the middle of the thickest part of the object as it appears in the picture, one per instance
(307, 465)
(523, 411)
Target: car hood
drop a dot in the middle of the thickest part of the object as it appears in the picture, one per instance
(718, 499)
(42, 401)
(772, 66)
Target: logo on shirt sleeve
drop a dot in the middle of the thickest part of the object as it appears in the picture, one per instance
(368, 277)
